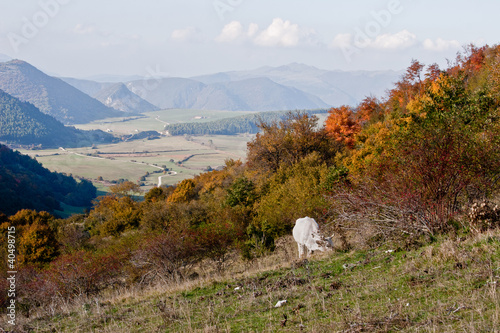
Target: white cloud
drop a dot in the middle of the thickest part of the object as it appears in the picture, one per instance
(231, 32)
(440, 44)
(189, 34)
(400, 40)
(283, 33)
(279, 33)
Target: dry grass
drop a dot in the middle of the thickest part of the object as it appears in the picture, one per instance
(450, 285)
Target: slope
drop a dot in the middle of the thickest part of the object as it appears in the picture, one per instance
(119, 97)
(51, 95)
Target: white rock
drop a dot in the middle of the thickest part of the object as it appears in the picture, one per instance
(280, 303)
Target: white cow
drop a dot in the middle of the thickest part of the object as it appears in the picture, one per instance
(306, 234)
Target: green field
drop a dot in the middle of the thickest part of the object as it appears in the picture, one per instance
(156, 121)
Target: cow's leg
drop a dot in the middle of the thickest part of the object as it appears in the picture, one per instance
(301, 251)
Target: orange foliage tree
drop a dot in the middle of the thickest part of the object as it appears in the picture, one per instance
(342, 125)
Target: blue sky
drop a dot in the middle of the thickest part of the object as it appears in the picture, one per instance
(81, 38)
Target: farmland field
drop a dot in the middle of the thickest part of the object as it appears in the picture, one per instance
(184, 157)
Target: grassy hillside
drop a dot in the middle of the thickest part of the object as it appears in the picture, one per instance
(448, 285)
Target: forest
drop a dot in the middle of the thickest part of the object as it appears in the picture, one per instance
(422, 161)
(230, 126)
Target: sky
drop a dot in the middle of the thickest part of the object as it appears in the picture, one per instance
(84, 38)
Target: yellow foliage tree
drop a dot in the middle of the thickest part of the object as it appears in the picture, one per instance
(183, 192)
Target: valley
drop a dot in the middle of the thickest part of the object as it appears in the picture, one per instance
(145, 160)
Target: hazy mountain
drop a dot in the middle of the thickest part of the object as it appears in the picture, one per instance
(333, 87)
(51, 95)
(23, 123)
(119, 97)
(26, 184)
(106, 78)
(256, 94)
(91, 88)
(168, 92)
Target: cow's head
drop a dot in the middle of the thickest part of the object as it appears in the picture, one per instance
(327, 241)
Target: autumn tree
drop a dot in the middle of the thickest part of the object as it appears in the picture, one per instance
(286, 142)
(127, 188)
(342, 125)
(37, 239)
(184, 191)
(113, 215)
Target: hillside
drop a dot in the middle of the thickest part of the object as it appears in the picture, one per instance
(408, 185)
(89, 87)
(51, 95)
(26, 184)
(22, 123)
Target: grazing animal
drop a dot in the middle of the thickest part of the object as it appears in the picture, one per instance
(306, 234)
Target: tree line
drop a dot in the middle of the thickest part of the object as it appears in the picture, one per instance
(230, 126)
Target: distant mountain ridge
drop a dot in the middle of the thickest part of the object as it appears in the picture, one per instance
(288, 87)
(51, 95)
(254, 94)
(333, 87)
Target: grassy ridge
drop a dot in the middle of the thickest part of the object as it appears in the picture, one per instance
(449, 285)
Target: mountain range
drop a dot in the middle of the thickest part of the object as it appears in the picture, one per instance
(289, 87)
